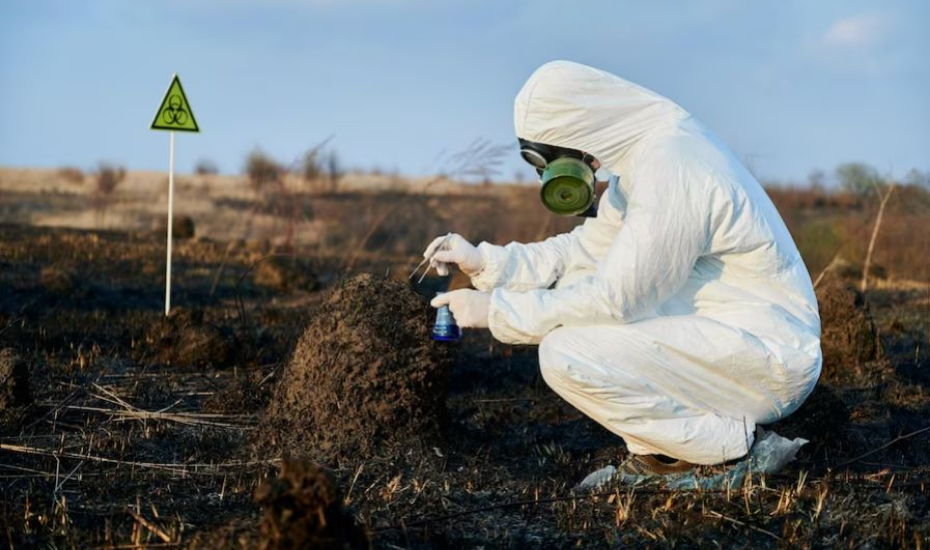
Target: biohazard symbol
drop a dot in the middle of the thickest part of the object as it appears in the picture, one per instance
(175, 113)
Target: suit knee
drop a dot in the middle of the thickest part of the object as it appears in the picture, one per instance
(553, 355)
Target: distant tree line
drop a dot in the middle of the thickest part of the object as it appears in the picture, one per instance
(862, 179)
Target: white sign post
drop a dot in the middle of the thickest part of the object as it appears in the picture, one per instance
(173, 114)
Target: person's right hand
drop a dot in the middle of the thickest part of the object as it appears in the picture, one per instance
(455, 250)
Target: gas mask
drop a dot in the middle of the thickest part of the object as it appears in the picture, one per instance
(566, 176)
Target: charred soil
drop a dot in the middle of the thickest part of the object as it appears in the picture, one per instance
(365, 379)
(126, 444)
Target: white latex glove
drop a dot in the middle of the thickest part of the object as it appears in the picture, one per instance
(455, 250)
(469, 307)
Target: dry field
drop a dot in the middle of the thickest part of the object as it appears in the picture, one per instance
(297, 341)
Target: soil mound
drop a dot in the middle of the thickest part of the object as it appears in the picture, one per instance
(848, 334)
(14, 389)
(365, 378)
(182, 228)
(185, 339)
(301, 509)
(285, 275)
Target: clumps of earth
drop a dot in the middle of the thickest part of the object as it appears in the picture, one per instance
(185, 339)
(365, 378)
(14, 389)
(182, 228)
(301, 509)
(848, 338)
(246, 392)
(285, 274)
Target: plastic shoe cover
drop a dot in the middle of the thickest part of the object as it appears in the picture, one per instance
(770, 454)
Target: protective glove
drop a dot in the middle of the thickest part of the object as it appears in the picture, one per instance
(455, 250)
(469, 307)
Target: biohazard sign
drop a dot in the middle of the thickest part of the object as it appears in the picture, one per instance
(175, 112)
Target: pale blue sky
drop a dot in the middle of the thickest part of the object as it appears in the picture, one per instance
(790, 85)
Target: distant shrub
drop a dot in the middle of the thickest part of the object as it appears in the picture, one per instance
(72, 175)
(321, 170)
(311, 166)
(206, 167)
(858, 178)
(262, 170)
(108, 178)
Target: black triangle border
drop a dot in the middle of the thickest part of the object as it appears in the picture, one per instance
(190, 109)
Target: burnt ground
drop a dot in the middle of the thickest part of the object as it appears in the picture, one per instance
(139, 431)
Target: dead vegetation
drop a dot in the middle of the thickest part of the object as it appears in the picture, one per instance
(106, 179)
(71, 174)
(140, 431)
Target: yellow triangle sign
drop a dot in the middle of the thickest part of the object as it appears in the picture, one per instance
(175, 112)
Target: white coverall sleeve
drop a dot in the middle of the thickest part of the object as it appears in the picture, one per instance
(665, 230)
(520, 267)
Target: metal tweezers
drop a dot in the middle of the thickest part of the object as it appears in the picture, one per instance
(427, 259)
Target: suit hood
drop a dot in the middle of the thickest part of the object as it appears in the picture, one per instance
(576, 106)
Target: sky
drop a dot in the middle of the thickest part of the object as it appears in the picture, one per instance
(790, 85)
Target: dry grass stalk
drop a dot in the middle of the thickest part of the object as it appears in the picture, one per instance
(174, 467)
(481, 158)
(878, 223)
(134, 413)
(155, 529)
(718, 515)
(190, 419)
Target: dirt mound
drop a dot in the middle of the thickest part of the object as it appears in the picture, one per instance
(185, 339)
(848, 334)
(182, 228)
(14, 388)
(365, 378)
(301, 509)
(285, 275)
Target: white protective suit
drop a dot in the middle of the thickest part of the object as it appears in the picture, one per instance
(683, 314)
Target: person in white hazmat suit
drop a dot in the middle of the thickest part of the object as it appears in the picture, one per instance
(682, 315)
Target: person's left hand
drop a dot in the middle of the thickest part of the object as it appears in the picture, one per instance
(469, 307)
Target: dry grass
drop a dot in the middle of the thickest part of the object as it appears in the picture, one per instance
(120, 451)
